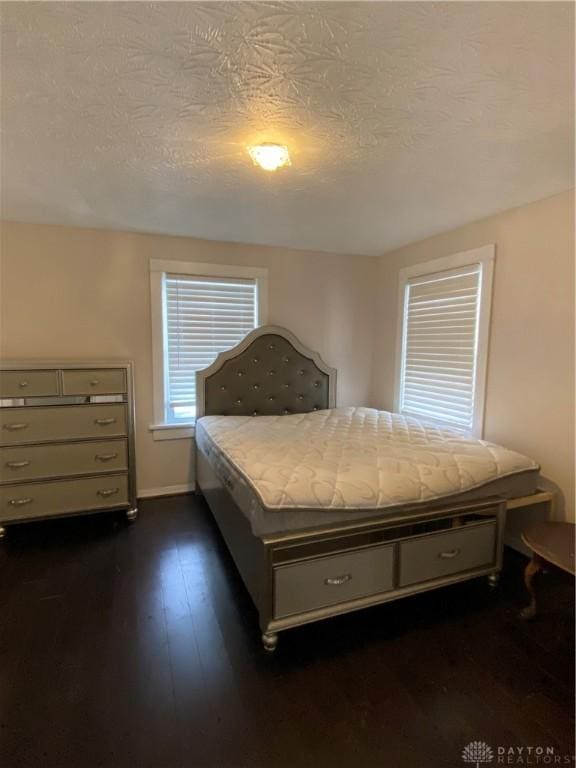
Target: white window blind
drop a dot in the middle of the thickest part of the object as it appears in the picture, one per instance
(440, 346)
(203, 317)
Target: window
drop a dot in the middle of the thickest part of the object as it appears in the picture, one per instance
(443, 342)
(198, 311)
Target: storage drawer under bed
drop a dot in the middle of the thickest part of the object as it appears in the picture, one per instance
(446, 554)
(305, 586)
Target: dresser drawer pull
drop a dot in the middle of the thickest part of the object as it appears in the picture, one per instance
(94, 382)
(23, 384)
(17, 464)
(451, 553)
(105, 456)
(107, 492)
(21, 502)
(105, 422)
(14, 427)
(336, 581)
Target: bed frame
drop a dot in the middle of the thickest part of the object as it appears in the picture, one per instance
(303, 576)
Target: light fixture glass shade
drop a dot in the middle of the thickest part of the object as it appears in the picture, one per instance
(270, 157)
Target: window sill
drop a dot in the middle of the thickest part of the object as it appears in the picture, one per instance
(172, 431)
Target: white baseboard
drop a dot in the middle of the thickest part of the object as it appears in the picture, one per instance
(517, 520)
(167, 490)
(512, 533)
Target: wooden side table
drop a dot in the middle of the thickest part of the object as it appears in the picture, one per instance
(550, 543)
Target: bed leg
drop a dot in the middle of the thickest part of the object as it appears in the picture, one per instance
(494, 580)
(270, 641)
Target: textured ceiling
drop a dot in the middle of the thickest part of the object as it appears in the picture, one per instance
(403, 119)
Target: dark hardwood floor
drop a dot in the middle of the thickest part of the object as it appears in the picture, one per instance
(138, 646)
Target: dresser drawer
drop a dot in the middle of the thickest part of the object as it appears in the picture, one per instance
(102, 381)
(28, 384)
(319, 583)
(446, 554)
(35, 462)
(35, 425)
(59, 497)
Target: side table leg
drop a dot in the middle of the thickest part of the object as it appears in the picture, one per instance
(533, 567)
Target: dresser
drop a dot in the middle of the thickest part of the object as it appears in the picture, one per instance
(66, 440)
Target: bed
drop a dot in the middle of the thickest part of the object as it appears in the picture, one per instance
(327, 510)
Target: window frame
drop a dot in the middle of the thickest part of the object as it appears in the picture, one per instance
(161, 428)
(485, 256)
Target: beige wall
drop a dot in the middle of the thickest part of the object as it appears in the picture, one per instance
(530, 386)
(79, 293)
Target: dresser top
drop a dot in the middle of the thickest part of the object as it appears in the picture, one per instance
(25, 365)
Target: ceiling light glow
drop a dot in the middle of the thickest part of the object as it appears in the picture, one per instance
(270, 157)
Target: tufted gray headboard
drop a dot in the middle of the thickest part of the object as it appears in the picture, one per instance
(267, 374)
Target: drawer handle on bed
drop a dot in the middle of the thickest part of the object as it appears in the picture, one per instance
(105, 456)
(14, 427)
(449, 554)
(23, 384)
(336, 581)
(94, 382)
(104, 422)
(21, 502)
(108, 492)
(17, 464)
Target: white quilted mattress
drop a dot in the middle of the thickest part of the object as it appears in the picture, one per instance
(354, 459)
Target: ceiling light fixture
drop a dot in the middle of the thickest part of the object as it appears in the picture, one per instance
(270, 157)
